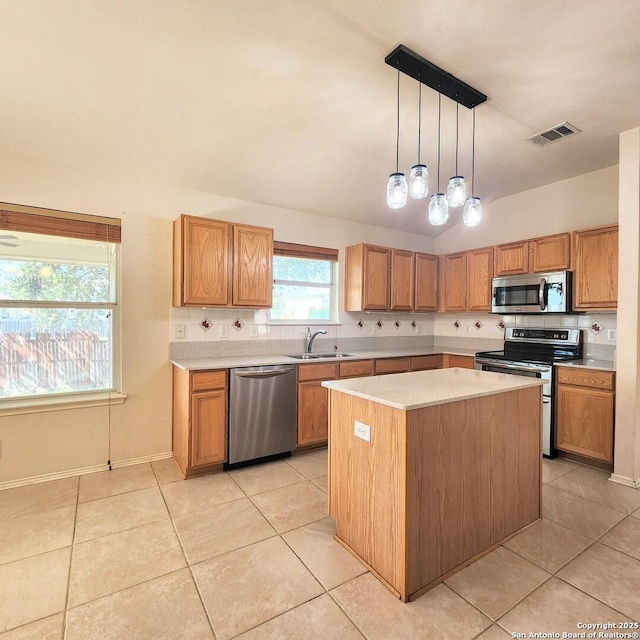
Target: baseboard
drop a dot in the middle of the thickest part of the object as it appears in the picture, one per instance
(80, 471)
(627, 482)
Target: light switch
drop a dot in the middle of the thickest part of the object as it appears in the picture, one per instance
(362, 431)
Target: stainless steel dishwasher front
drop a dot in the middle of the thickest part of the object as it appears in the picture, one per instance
(262, 412)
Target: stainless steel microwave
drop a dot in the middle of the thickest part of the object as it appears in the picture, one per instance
(535, 293)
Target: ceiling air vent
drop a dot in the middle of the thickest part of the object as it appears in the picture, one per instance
(555, 133)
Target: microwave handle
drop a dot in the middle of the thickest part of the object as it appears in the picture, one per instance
(541, 293)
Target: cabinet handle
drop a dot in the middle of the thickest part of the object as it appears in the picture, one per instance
(265, 373)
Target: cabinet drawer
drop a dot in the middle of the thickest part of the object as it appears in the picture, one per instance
(328, 371)
(466, 362)
(585, 377)
(205, 380)
(419, 363)
(355, 369)
(393, 365)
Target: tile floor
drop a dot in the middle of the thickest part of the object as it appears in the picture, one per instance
(139, 553)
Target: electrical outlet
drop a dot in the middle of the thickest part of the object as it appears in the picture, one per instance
(223, 331)
(362, 431)
(253, 331)
(178, 331)
(611, 335)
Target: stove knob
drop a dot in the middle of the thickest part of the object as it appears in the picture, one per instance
(556, 336)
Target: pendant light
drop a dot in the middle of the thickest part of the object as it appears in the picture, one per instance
(419, 177)
(456, 189)
(472, 214)
(438, 205)
(397, 185)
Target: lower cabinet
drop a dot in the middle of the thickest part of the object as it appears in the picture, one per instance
(585, 412)
(448, 361)
(199, 420)
(424, 363)
(392, 365)
(313, 402)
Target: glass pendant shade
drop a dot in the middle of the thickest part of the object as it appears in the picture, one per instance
(438, 209)
(456, 191)
(397, 191)
(419, 181)
(472, 214)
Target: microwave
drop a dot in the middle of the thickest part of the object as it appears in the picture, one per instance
(535, 293)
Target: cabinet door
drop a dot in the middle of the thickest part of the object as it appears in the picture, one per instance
(551, 253)
(208, 427)
(313, 412)
(426, 279)
(479, 274)
(402, 283)
(595, 266)
(202, 261)
(512, 258)
(453, 291)
(252, 266)
(375, 294)
(584, 422)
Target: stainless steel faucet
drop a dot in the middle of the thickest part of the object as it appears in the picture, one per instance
(311, 337)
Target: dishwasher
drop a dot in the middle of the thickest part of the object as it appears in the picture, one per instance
(262, 413)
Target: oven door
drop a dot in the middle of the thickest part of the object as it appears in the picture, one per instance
(530, 370)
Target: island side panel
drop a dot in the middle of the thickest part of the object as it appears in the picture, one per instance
(366, 483)
(472, 479)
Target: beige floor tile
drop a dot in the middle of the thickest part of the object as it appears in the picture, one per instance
(166, 608)
(118, 513)
(584, 516)
(554, 608)
(329, 562)
(33, 588)
(625, 537)
(556, 467)
(45, 629)
(497, 581)
(266, 477)
(34, 498)
(495, 633)
(293, 506)
(94, 486)
(439, 613)
(166, 471)
(200, 493)
(322, 482)
(636, 513)
(36, 533)
(548, 544)
(217, 530)
(608, 575)
(312, 464)
(247, 587)
(595, 485)
(106, 565)
(318, 619)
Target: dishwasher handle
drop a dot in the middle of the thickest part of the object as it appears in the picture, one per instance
(262, 373)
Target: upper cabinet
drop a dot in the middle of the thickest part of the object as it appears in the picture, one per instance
(465, 280)
(479, 274)
(220, 264)
(595, 266)
(549, 253)
(384, 279)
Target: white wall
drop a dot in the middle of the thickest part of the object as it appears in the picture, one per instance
(52, 442)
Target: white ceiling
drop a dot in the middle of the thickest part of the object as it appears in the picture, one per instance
(290, 103)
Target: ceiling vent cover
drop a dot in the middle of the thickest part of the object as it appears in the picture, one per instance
(558, 132)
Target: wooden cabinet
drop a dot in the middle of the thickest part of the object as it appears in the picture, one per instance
(595, 266)
(423, 363)
(199, 420)
(511, 259)
(585, 412)
(355, 369)
(453, 282)
(449, 360)
(402, 280)
(426, 282)
(219, 264)
(550, 253)
(392, 365)
(313, 402)
(479, 274)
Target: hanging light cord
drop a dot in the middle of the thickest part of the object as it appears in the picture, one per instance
(457, 107)
(473, 154)
(439, 109)
(398, 124)
(419, 116)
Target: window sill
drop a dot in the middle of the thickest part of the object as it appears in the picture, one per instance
(42, 405)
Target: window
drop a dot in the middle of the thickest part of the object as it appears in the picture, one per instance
(58, 303)
(303, 283)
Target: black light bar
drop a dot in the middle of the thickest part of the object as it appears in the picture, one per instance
(411, 64)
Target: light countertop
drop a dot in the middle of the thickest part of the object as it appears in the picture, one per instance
(419, 389)
(590, 363)
(230, 362)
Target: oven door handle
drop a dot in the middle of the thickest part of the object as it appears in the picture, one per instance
(541, 293)
(513, 367)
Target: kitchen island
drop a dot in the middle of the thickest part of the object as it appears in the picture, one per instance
(430, 470)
